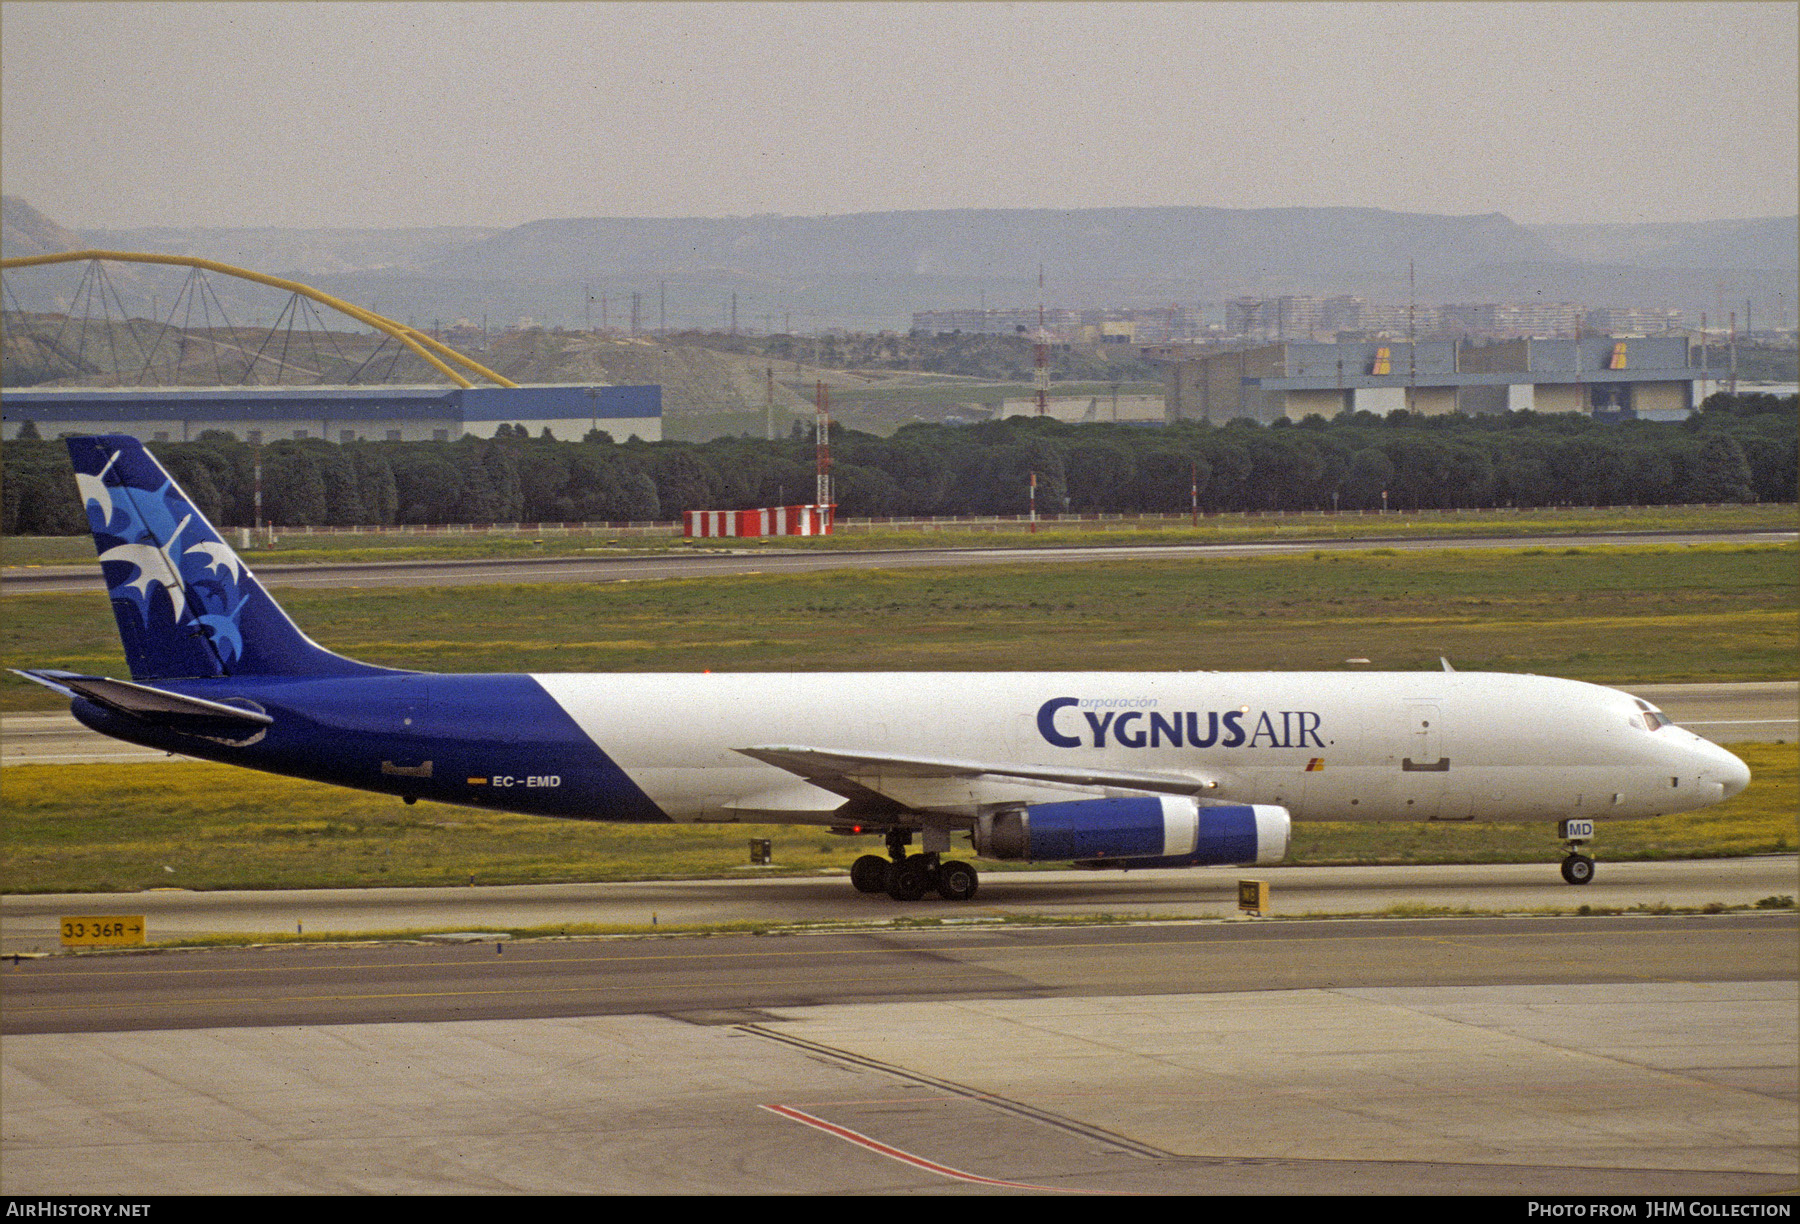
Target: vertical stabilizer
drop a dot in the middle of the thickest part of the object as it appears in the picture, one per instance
(187, 605)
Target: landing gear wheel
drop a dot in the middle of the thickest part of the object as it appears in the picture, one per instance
(1578, 869)
(869, 873)
(957, 881)
(908, 879)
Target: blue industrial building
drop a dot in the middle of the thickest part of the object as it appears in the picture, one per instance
(336, 414)
(1651, 377)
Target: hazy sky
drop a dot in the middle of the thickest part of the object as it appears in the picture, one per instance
(128, 114)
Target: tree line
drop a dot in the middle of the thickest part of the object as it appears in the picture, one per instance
(1736, 449)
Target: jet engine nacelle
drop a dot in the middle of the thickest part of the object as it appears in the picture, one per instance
(1141, 832)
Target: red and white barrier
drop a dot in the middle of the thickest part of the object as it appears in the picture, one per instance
(769, 521)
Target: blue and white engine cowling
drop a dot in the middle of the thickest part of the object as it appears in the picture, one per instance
(1150, 831)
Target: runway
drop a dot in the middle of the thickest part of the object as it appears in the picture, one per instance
(21, 580)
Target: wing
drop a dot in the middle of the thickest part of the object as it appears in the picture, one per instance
(877, 784)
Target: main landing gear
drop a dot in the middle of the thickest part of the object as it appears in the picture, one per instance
(1577, 868)
(908, 877)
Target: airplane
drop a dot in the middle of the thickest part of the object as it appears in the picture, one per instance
(1101, 769)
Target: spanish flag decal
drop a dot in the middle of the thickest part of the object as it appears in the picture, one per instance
(1316, 765)
(1383, 363)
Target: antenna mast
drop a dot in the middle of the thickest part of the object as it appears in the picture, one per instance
(1041, 376)
(823, 448)
(1412, 337)
(1732, 385)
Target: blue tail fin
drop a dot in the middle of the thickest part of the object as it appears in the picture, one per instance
(187, 606)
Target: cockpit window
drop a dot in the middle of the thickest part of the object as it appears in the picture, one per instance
(1654, 718)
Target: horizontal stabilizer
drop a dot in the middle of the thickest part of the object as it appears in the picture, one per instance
(140, 701)
(857, 774)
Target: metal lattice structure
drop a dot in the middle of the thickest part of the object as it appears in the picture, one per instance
(109, 349)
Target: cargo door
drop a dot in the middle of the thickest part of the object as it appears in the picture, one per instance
(1424, 760)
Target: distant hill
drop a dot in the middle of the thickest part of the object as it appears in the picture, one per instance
(1205, 245)
(25, 231)
(301, 252)
(870, 271)
(1761, 242)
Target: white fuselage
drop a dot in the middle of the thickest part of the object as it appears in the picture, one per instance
(1326, 746)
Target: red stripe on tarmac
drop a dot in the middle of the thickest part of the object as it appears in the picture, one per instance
(905, 1157)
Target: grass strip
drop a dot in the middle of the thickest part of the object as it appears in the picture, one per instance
(595, 931)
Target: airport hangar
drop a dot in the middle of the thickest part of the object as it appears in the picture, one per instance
(336, 414)
(1648, 377)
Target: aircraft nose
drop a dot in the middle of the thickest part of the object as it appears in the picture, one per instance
(1734, 775)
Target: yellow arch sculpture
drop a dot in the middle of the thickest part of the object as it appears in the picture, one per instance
(418, 342)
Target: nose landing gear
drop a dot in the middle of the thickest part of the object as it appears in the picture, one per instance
(1577, 868)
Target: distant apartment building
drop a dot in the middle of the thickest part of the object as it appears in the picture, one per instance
(1548, 319)
(1512, 318)
(1636, 320)
(1399, 321)
(1303, 317)
(1250, 316)
(1143, 324)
